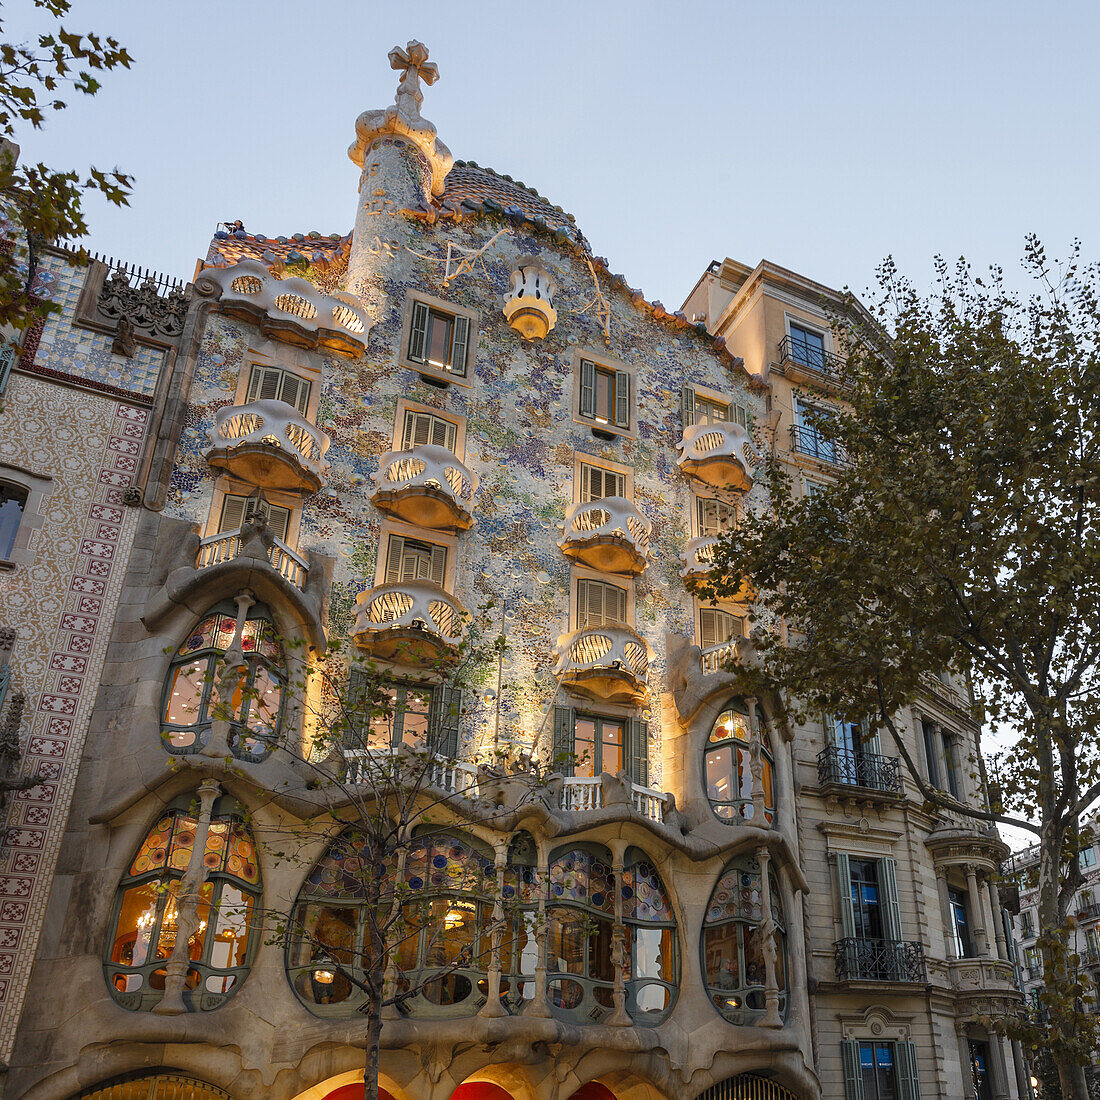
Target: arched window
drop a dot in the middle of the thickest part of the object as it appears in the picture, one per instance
(441, 947)
(163, 1084)
(651, 928)
(728, 770)
(147, 910)
(733, 962)
(13, 499)
(257, 705)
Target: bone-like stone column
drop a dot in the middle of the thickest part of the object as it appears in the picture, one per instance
(768, 947)
(492, 1006)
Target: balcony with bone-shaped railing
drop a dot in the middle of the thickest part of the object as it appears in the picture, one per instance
(608, 534)
(270, 444)
(609, 663)
(720, 455)
(426, 486)
(411, 622)
(699, 558)
(292, 310)
(227, 545)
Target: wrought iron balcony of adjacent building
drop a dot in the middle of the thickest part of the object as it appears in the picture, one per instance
(1089, 912)
(426, 486)
(812, 443)
(413, 623)
(609, 534)
(608, 663)
(226, 546)
(802, 362)
(862, 775)
(860, 960)
(268, 443)
(720, 455)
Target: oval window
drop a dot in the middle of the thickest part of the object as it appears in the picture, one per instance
(728, 767)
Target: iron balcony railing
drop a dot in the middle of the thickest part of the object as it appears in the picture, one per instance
(1091, 911)
(802, 354)
(809, 441)
(858, 769)
(879, 961)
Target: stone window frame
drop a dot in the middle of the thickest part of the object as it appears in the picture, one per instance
(818, 325)
(581, 458)
(405, 405)
(616, 366)
(393, 526)
(731, 607)
(718, 397)
(426, 370)
(285, 360)
(38, 487)
(697, 494)
(229, 486)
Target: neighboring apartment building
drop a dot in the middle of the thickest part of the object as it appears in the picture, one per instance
(364, 437)
(1022, 868)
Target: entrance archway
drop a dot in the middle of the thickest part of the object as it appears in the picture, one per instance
(355, 1092)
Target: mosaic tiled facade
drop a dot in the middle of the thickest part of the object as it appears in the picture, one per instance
(713, 904)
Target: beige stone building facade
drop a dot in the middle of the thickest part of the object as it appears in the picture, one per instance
(457, 413)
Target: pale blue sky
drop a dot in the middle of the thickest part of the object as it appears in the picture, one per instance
(819, 135)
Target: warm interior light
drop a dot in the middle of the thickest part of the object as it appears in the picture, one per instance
(324, 977)
(733, 1002)
(600, 420)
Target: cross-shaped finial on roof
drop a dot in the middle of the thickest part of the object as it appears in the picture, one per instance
(414, 65)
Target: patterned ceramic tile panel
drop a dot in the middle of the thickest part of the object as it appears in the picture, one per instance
(62, 606)
(520, 440)
(80, 352)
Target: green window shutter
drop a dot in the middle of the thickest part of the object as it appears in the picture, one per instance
(460, 342)
(439, 565)
(394, 553)
(908, 1080)
(830, 730)
(687, 406)
(418, 331)
(844, 884)
(588, 389)
(355, 708)
(564, 721)
(853, 1079)
(446, 720)
(891, 910)
(638, 734)
(622, 399)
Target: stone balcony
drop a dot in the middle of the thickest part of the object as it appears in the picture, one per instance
(226, 546)
(291, 310)
(414, 623)
(268, 443)
(609, 534)
(720, 455)
(426, 486)
(609, 663)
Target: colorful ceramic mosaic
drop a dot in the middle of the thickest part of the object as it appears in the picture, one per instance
(644, 896)
(737, 896)
(581, 877)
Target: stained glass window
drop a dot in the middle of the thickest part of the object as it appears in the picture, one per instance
(257, 702)
(651, 927)
(147, 911)
(733, 959)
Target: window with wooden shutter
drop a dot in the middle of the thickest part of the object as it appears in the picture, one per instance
(411, 560)
(597, 483)
(908, 1079)
(446, 716)
(564, 718)
(622, 399)
(418, 331)
(423, 428)
(235, 509)
(438, 339)
(714, 517)
(600, 604)
(275, 384)
(604, 394)
(853, 1076)
(717, 627)
(638, 750)
(588, 389)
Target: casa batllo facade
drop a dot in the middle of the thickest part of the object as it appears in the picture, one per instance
(368, 438)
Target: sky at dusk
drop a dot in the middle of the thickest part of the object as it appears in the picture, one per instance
(820, 136)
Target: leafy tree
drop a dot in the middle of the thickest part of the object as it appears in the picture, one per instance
(961, 532)
(44, 203)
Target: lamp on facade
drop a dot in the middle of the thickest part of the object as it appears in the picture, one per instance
(528, 306)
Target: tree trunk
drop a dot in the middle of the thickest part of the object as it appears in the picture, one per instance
(371, 1061)
(1071, 1080)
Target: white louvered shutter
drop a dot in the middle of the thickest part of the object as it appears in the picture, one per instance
(232, 513)
(395, 551)
(264, 383)
(295, 392)
(564, 720)
(687, 406)
(740, 416)
(460, 339)
(588, 389)
(438, 569)
(622, 399)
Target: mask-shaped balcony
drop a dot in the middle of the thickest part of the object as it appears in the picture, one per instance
(720, 455)
(426, 486)
(698, 558)
(609, 534)
(412, 622)
(609, 663)
(269, 443)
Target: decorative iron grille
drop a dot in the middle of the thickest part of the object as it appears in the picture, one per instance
(859, 769)
(879, 961)
(809, 441)
(802, 354)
